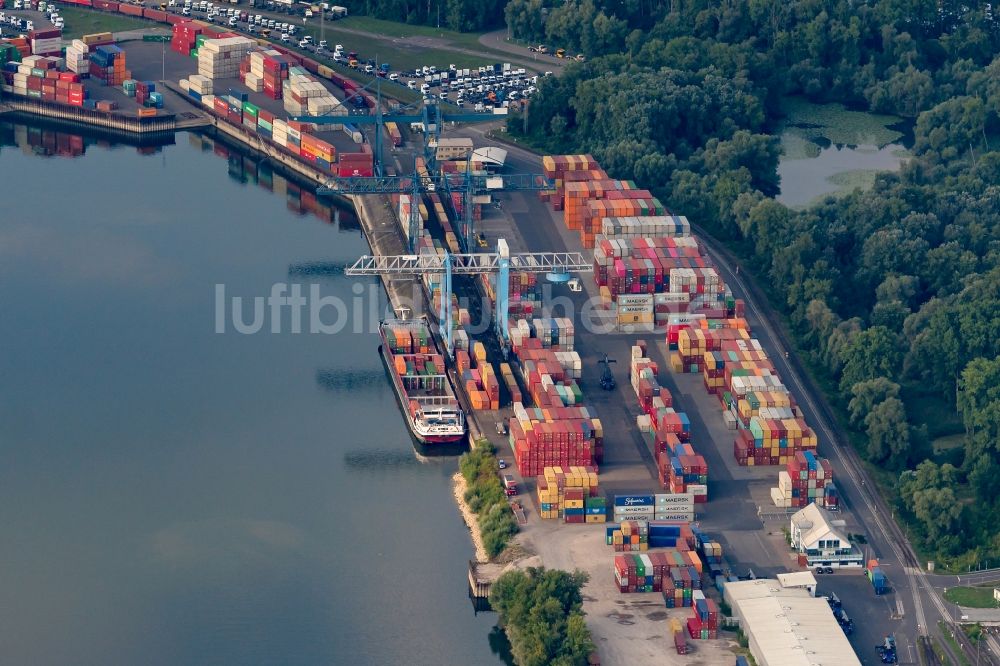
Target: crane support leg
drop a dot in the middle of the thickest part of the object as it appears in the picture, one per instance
(414, 220)
(446, 324)
(502, 290)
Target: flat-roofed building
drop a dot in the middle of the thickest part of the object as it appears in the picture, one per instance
(788, 626)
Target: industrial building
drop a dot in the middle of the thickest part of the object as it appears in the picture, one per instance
(787, 625)
(453, 148)
(819, 540)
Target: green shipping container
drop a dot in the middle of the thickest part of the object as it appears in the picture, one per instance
(250, 108)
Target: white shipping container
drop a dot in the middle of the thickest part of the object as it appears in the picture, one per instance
(635, 300)
(675, 516)
(675, 500)
(696, 489)
(630, 512)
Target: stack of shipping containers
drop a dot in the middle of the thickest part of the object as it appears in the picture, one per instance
(571, 493)
(107, 64)
(39, 77)
(807, 479)
(679, 468)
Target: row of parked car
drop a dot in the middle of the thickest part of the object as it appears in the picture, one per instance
(21, 24)
(478, 87)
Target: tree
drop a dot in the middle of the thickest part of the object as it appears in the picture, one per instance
(540, 609)
(938, 510)
(874, 352)
(979, 400)
(888, 432)
(867, 394)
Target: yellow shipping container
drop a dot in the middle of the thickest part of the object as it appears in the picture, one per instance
(635, 318)
(595, 519)
(96, 38)
(675, 362)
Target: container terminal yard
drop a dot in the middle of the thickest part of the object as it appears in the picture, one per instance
(644, 391)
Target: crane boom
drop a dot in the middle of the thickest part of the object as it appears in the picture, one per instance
(469, 264)
(558, 266)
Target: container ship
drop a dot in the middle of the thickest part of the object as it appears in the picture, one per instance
(418, 375)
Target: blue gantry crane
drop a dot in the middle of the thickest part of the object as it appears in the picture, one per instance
(431, 119)
(555, 265)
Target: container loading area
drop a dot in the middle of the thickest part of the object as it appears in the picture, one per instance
(741, 511)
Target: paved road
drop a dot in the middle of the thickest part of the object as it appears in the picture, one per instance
(498, 40)
(922, 605)
(971, 579)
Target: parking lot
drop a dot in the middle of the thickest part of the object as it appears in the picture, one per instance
(481, 88)
(12, 25)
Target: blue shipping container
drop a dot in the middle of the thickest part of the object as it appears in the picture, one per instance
(634, 500)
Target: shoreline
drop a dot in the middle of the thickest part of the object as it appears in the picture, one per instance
(459, 486)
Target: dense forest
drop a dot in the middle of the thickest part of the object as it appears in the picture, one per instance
(463, 15)
(893, 294)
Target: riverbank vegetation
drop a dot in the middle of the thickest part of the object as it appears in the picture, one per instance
(540, 609)
(486, 498)
(892, 294)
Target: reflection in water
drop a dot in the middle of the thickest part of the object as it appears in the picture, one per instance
(346, 379)
(54, 139)
(300, 197)
(379, 459)
(315, 269)
(500, 646)
(830, 169)
(57, 139)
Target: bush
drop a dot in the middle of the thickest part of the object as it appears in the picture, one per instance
(486, 498)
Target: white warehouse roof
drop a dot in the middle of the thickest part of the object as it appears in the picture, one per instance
(786, 626)
(490, 155)
(797, 579)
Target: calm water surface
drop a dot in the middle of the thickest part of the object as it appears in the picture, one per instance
(169, 495)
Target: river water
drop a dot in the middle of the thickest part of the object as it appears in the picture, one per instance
(172, 495)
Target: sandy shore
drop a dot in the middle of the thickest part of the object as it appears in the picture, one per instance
(469, 516)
